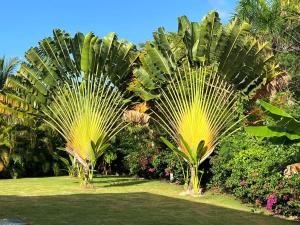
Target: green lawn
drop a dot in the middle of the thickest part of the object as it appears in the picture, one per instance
(119, 201)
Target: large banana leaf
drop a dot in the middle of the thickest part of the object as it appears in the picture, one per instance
(286, 125)
(271, 131)
(243, 60)
(61, 59)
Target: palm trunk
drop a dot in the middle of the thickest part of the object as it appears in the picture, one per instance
(86, 175)
(194, 186)
(85, 166)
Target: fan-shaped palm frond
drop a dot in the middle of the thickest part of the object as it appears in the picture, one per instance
(87, 115)
(60, 59)
(196, 109)
(244, 61)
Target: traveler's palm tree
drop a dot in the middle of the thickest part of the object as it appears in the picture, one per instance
(87, 115)
(54, 85)
(196, 109)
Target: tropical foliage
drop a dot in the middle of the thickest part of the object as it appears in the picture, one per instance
(140, 152)
(241, 58)
(7, 69)
(61, 62)
(276, 21)
(285, 124)
(61, 59)
(28, 148)
(91, 98)
(195, 109)
(87, 115)
(252, 170)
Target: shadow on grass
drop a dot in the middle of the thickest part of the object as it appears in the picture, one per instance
(125, 183)
(111, 180)
(117, 182)
(125, 209)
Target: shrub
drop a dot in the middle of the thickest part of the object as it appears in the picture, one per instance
(140, 152)
(229, 147)
(252, 170)
(29, 149)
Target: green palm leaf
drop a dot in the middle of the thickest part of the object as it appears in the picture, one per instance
(87, 115)
(243, 60)
(196, 109)
(63, 58)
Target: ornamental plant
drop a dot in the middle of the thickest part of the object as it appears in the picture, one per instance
(87, 114)
(285, 125)
(196, 109)
(245, 61)
(252, 170)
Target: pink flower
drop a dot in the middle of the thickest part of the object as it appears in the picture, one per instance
(243, 182)
(167, 172)
(286, 197)
(151, 170)
(144, 162)
(271, 200)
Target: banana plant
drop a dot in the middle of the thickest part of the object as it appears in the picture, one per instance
(109, 157)
(242, 59)
(61, 59)
(285, 125)
(70, 163)
(196, 109)
(87, 114)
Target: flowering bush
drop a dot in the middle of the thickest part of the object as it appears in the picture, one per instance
(141, 154)
(253, 171)
(271, 201)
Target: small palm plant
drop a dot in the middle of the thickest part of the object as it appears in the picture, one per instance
(196, 109)
(7, 68)
(87, 114)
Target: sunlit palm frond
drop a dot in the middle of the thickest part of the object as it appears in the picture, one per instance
(11, 66)
(87, 115)
(196, 106)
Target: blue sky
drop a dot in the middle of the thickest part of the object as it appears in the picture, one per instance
(24, 23)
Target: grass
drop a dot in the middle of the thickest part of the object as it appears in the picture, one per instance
(120, 201)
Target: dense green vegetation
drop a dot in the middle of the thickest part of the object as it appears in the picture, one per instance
(252, 170)
(276, 21)
(210, 106)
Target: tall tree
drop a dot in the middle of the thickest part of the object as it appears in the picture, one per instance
(55, 85)
(87, 114)
(277, 21)
(196, 109)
